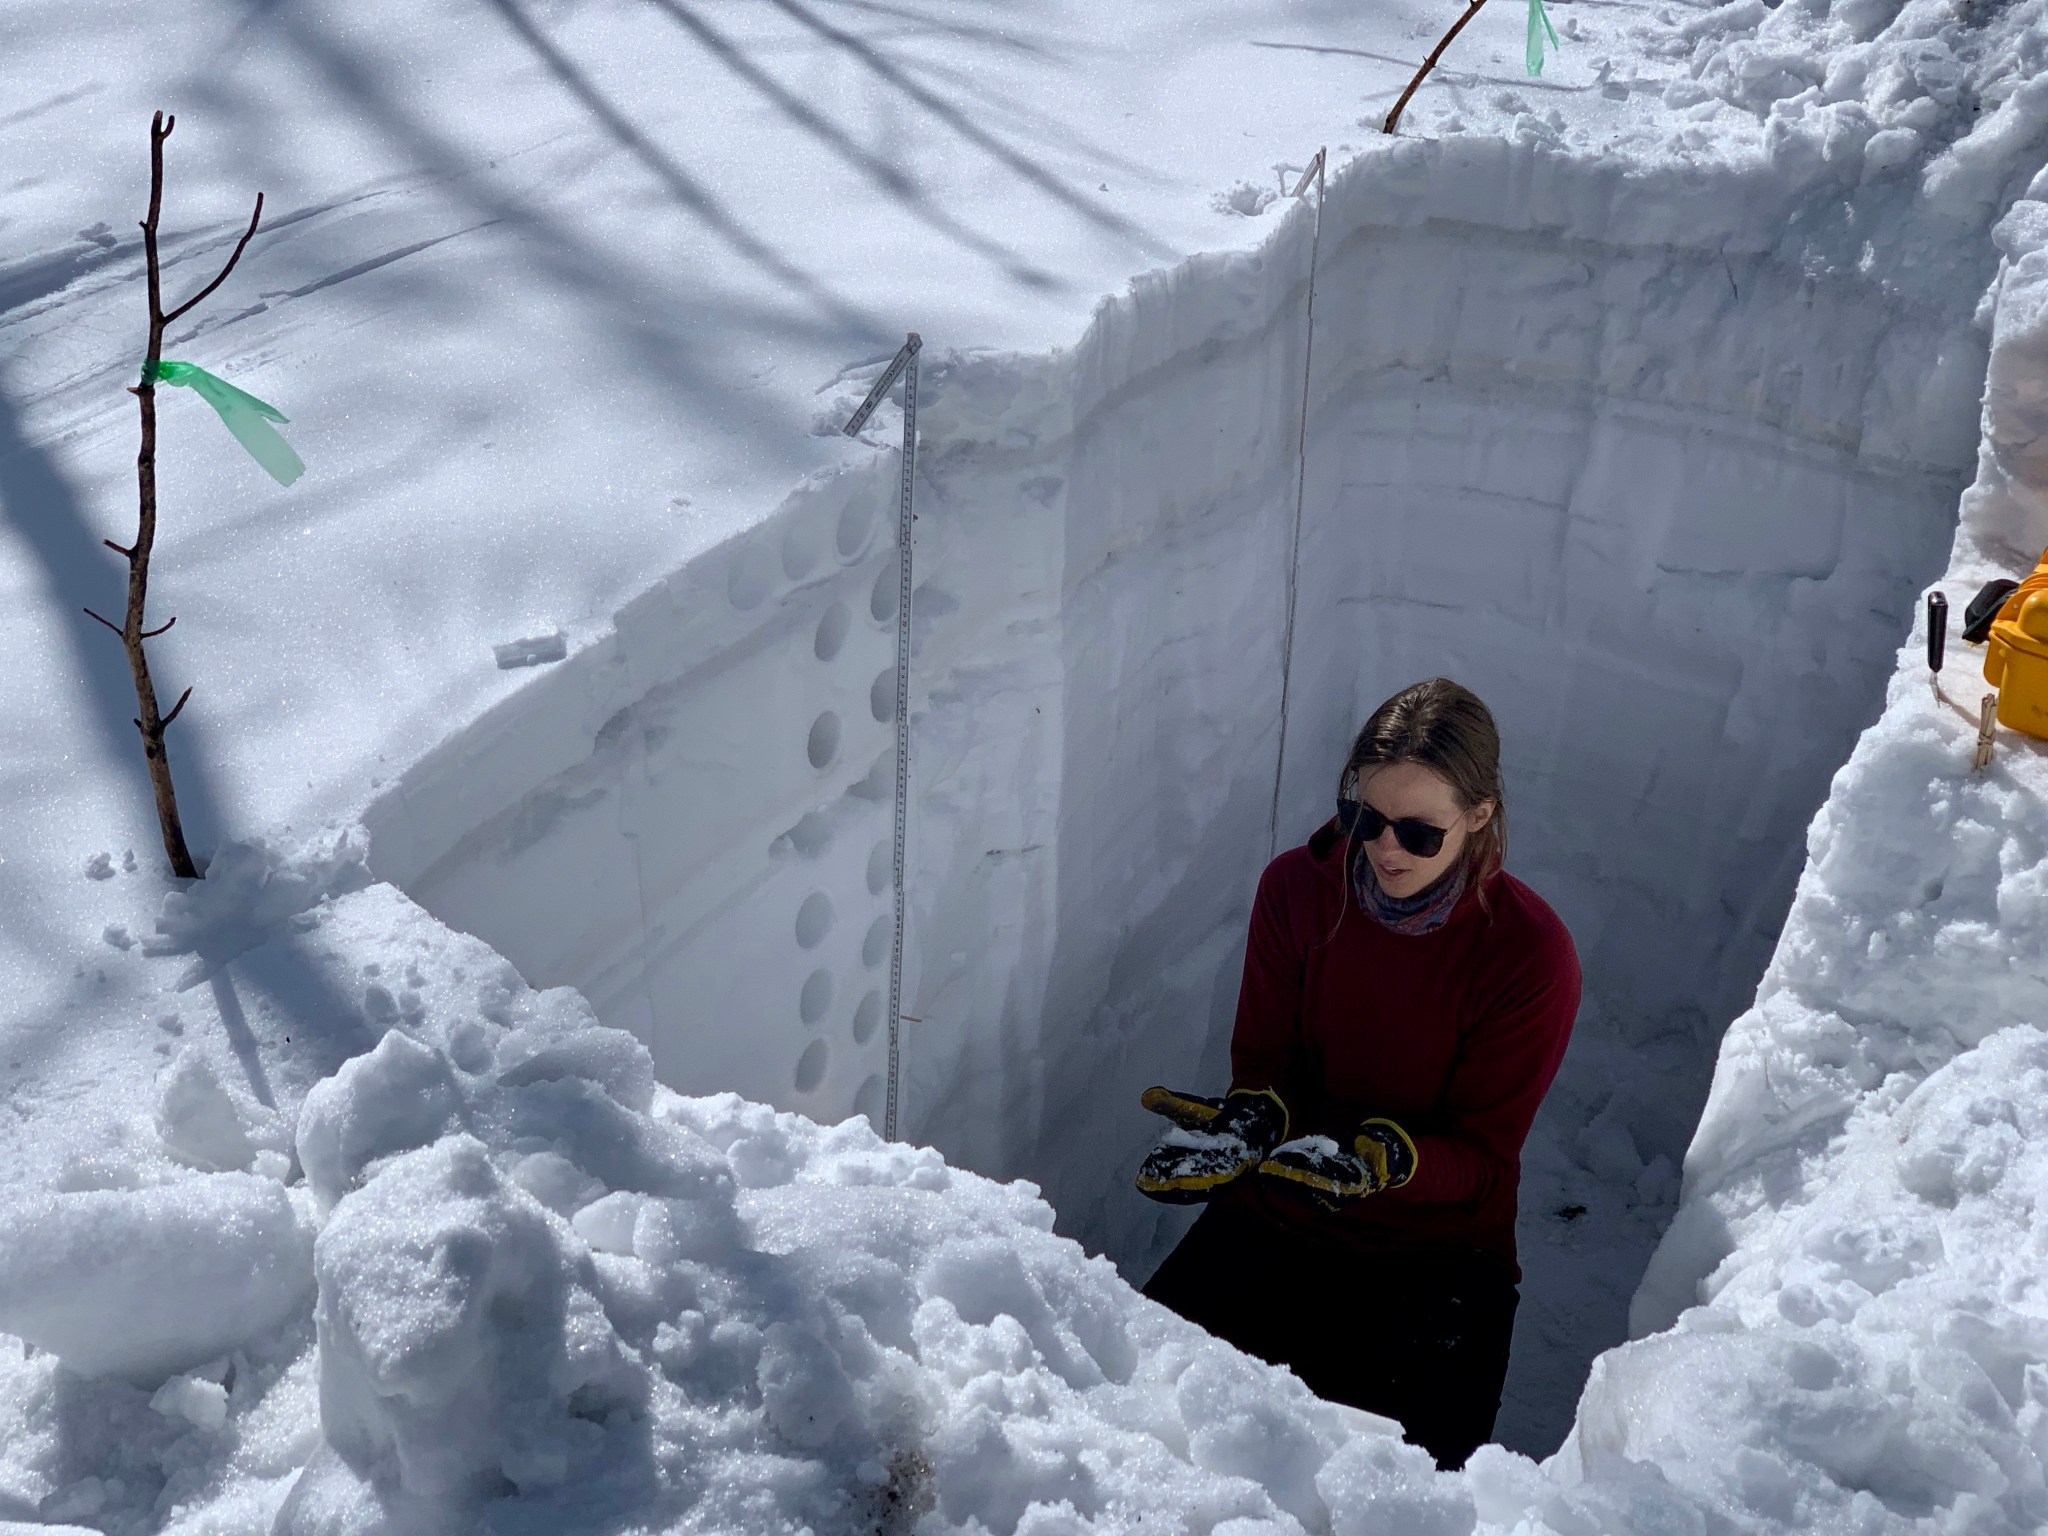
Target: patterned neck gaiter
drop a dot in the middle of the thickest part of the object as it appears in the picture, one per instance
(1424, 912)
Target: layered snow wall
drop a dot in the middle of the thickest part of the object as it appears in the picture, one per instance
(1619, 450)
(1853, 1284)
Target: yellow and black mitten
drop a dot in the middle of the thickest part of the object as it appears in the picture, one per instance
(1211, 1141)
(1192, 1111)
(1381, 1156)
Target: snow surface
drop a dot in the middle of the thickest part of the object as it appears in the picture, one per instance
(1641, 400)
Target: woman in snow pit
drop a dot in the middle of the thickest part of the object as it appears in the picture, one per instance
(1404, 1007)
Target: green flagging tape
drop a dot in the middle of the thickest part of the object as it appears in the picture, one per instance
(240, 412)
(1539, 27)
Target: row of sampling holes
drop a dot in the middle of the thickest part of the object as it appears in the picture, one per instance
(814, 917)
(753, 574)
(814, 921)
(822, 746)
(752, 577)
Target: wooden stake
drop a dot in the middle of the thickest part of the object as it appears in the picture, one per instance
(1987, 720)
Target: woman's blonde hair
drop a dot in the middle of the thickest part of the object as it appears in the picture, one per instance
(1444, 727)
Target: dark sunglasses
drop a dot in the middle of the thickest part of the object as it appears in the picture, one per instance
(1417, 837)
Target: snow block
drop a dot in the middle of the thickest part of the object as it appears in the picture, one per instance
(144, 1283)
(456, 1335)
(396, 1097)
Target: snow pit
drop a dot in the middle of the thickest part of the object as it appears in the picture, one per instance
(1658, 438)
(1615, 450)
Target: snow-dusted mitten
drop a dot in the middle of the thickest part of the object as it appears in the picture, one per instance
(1194, 1111)
(1192, 1162)
(1381, 1156)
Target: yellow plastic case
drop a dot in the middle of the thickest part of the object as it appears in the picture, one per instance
(2016, 657)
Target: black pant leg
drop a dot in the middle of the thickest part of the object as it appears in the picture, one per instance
(1461, 1362)
(1231, 1274)
(1421, 1338)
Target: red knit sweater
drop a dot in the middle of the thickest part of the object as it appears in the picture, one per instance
(1454, 1034)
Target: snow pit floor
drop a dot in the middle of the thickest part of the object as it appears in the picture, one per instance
(1657, 492)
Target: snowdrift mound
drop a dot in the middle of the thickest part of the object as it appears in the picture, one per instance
(1877, 1349)
(548, 1294)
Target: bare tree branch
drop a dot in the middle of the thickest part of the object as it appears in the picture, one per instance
(222, 275)
(1429, 63)
(149, 722)
(159, 129)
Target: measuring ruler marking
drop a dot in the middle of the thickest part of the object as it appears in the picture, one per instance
(904, 365)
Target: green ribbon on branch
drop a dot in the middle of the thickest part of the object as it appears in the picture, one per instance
(240, 412)
(1539, 27)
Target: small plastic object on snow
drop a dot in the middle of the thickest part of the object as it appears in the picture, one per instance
(240, 412)
(531, 651)
(1539, 28)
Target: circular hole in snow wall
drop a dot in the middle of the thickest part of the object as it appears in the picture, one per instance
(823, 745)
(882, 600)
(867, 1018)
(832, 631)
(881, 867)
(810, 1067)
(803, 546)
(751, 578)
(874, 949)
(809, 838)
(857, 522)
(813, 920)
(882, 696)
(816, 998)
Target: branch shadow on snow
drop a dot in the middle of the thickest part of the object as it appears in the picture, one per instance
(948, 113)
(53, 527)
(979, 87)
(873, 168)
(51, 522)
(329, 1028)
(1001, 38)
(657, 336)
(1444, 74)
(674, 178)
(240, 1039)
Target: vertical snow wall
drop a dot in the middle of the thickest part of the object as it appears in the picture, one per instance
(1627, 452)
